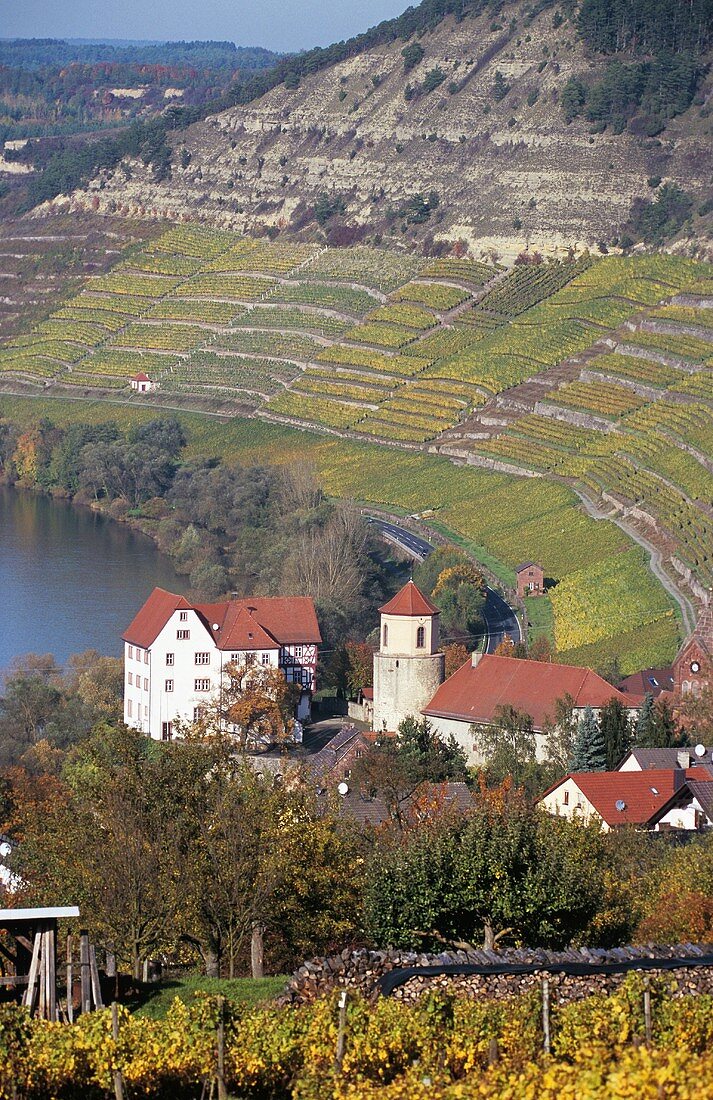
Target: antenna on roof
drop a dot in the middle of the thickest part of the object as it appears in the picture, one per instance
(620, 805)
(343, 789)
(700, 750)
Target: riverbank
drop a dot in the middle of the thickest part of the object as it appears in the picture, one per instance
(608, 609)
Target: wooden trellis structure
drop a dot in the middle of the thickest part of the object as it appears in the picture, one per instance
(34, 961)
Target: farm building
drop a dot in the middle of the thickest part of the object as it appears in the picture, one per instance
(530, 579)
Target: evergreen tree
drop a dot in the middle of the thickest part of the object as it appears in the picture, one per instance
(589, 754)
(665, 733)
(644, 723)
(616, 731)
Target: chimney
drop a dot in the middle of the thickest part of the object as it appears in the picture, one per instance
(475, 658)
(679, 778)
(683, 759)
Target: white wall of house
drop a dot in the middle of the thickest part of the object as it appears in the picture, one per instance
(567, 800)
(468, 741)
(180, 673)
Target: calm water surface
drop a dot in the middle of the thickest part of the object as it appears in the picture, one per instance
(69, 579)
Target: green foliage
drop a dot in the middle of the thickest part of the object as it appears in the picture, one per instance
(432, 80)
(655, 221)
(500, 87)
(413, 55)
(616, 731)
(419, 208)
(658, 89)
(590, 749)
(508, 745)
(609, 26)
(516, 870)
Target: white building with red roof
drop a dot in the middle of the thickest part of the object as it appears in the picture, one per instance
(175, 653)
(408, 666)
(141, 383)
(656, 799)
(409, 681)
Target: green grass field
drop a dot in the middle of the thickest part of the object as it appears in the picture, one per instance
(155, 1000)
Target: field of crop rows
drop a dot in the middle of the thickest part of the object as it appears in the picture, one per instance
(400, 348)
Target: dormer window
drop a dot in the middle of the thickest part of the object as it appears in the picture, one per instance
(421, 637)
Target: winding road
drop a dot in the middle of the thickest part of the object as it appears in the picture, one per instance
(500, 619)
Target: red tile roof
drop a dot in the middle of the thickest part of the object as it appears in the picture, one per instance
(288, 619)
(649, 681)
(148, 623)
(645, 794)
(241, 630)
(473, 694)
(273, 621)
(141, 377)
(409, 601)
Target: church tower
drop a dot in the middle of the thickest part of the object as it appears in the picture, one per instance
(408, 668)
(693, 666)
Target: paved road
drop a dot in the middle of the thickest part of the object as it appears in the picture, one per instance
(500, 619)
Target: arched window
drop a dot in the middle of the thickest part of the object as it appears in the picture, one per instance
(420, 637)
(386, 635)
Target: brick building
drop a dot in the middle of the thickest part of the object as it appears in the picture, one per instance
(530, 579)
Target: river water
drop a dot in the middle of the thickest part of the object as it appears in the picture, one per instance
(70, 579)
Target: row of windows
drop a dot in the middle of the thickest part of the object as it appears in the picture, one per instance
(130, 680)
(130, 709)
(198, 685)
(420, 636)
(130, 654)
(202, 658)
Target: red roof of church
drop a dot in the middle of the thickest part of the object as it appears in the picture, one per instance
(644, 794)
(474, 693)
(272, 620)
(410, 601)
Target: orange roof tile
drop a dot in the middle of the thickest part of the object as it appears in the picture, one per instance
(288, 619)
(277, 620)
(150, 620)
(645, 795)
(409, 601)
(241, 630)
(474, 693)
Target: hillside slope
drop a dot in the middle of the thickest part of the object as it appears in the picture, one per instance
(507, 169)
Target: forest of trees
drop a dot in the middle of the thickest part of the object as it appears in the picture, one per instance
(180, 851)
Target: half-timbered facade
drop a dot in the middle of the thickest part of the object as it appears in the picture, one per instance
(176, 652)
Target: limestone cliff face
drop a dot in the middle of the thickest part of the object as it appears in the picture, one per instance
(508, 171)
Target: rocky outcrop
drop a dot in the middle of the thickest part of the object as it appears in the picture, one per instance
(509, 172)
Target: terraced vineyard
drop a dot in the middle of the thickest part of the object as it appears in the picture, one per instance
(593, 374)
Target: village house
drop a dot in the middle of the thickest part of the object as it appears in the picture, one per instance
(141, 383)
(656, 799)
(409, 680)
(639, 760)
(474, 695)
(530, 579)
(175, 654)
